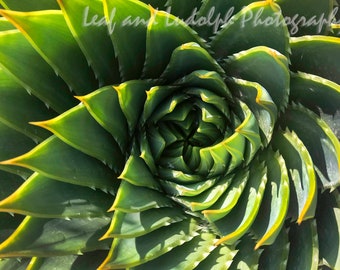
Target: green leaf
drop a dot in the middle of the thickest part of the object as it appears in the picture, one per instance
(75, 70)
(259, 24)
(127, 225)
(55, 237)
(8, 223)
(132, 95)
(323, 146)
(208, 197)
(186, 256)
(128, 201)
(94, 140)
(5, 24)
(274, 207)
(328, 223)
(64, 200)
(275, 256)
(315, 92)
(229, 199)
(301, 173)
(9, 183)
(126, 23)
(102, 104)
(246, 258)
(219, 258)
(188, 58)
(251, 65)
(55, 159)
(17, 116)
(132, 252)
(318, 55)
(237, 223)
(182, 9)
(214, 14)
(304, 242)
(23, 63)
(308, 17)
(88, 260)
(165, 33)
(259, 102)
(87, 23)
(28, 5)
(14, 264)
(137, 173)
(13, 144)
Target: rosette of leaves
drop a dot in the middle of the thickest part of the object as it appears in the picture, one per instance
(132, 139)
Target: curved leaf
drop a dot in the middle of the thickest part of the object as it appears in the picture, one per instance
(318, 55)
(87, 23)
(75, 71)
(259, 24)
(303, 194)
(55, 159)
(64, 200)
(55, 237)
(27, 5)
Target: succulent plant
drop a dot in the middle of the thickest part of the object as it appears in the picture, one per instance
(169, 134)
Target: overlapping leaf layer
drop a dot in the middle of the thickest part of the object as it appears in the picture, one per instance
(169, 134)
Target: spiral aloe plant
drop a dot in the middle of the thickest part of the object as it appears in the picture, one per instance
(169, 134)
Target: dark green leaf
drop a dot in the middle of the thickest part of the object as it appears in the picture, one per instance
(28, 5)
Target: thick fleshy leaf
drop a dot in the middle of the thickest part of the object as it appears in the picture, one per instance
(275, 256)
(64, 200)
(5, 24)
(236, 224)
(308, 17)
(328, 223)
(127, 225)
(146, 199)
(137, 173)
(87, 23)
(220, 258)
(27, 5)
(303, 186)
(213, 14)
(323, 146)
(315, 92)
(304, 242)
(13, 144)
(250, 65)
(246, 257)
(259, 102)
(61, 46)
(14, 264)
(94, 141)
(131, 96)
(9, 183)
(17, 116)
(318, 55)
(229, 199)
(55, 237)
(188, 58)
(102, 104)
(88, 260)
(127, 22)
(131, 252)
(165, 33)
(55, 159)
(274, 207)
(259, 24)
(182, 9)
(8, 224)
(186, 256)
(23, 63)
